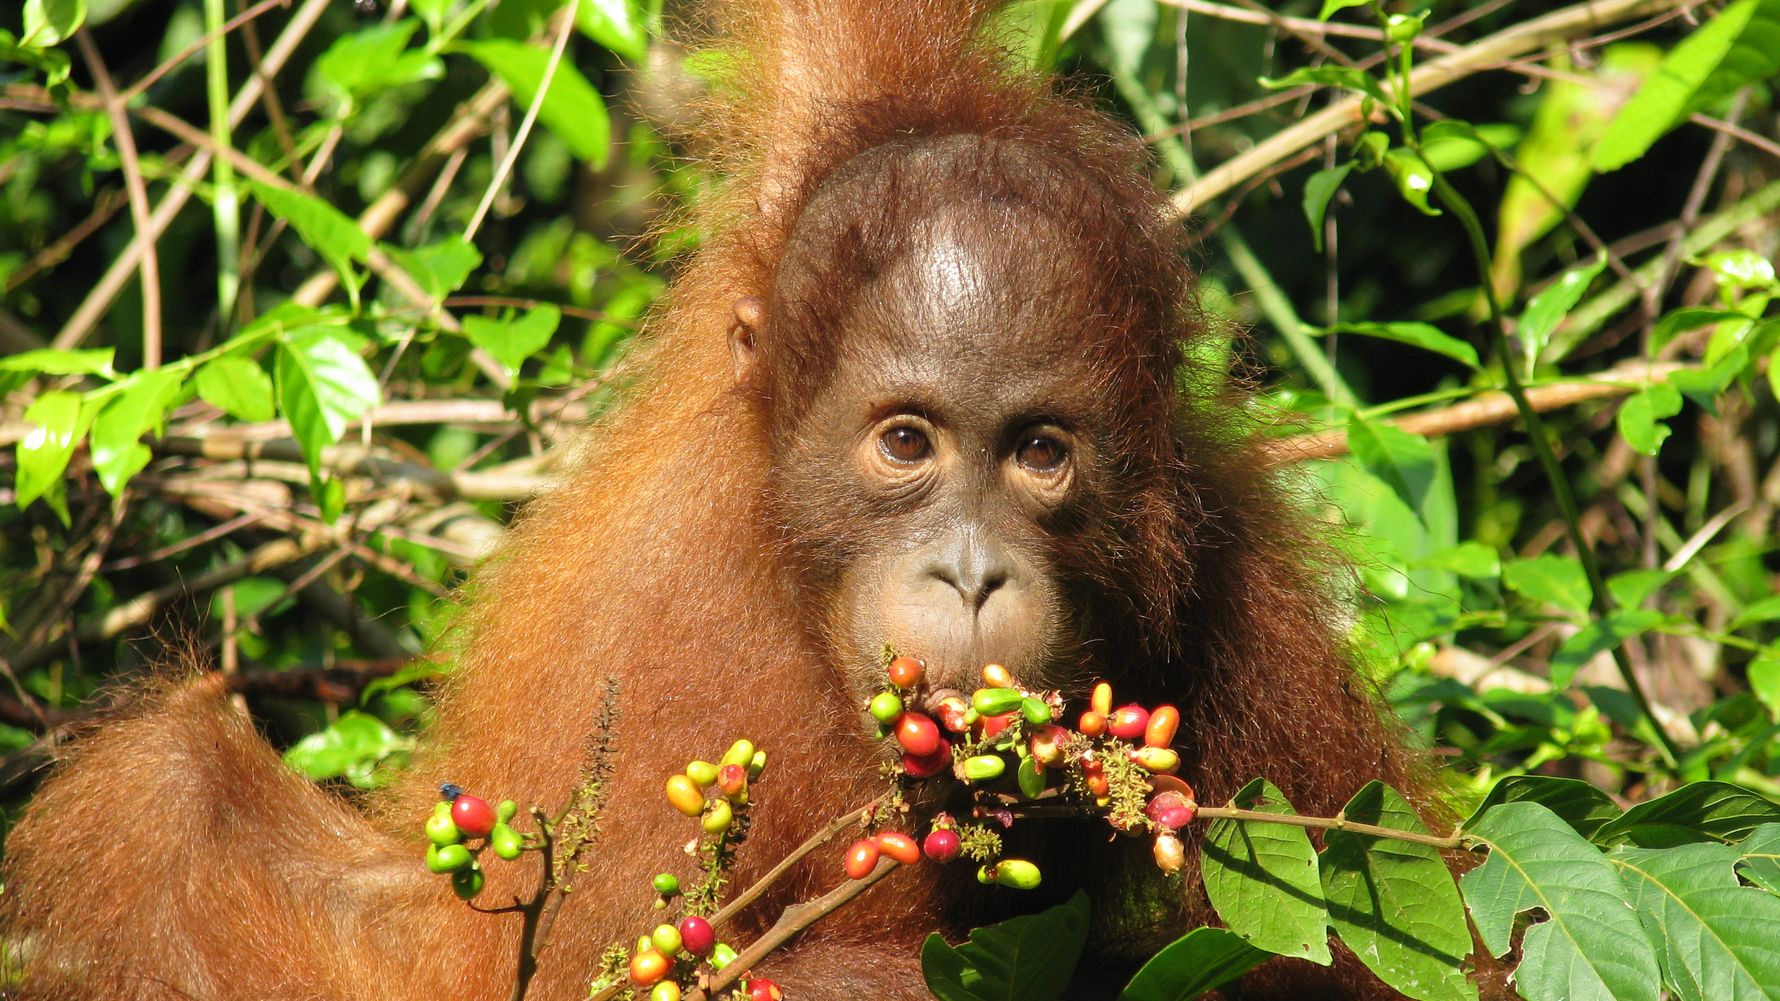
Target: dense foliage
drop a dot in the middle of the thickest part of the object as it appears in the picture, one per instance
(298, 300)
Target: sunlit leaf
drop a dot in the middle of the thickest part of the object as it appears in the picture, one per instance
(1715, 939)
(1422, 335)
(44, 450)
(238, 387)
(1319, 188)
(1552, 579)
(51, 22)
(323, 385)
(1262, 878)
(117, 430)
(572, 109)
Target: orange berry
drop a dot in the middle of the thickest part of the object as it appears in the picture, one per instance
(862, 858)
(1163, 722)
(899, 846)
(906, 672)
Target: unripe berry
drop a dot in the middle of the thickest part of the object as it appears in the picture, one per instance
(506, 811)
(1036, 711)
(466, 883)
(1092, 724)
(665, 990)
(862, 858)
(473, 816)
(885, 707)
(941, 845)
(441, 830)
(982, 767)
(740, 753)
(1170, 853)
(1101, 701)
(1017, 873)
(684, 795)
(506, 842)
(718, 818)
(733, 780)
(899, 846)
(1163, 722)
(666, 939)
(1128, 721)
(648, 967)
(702, 773)
(447, 858)
(1156, 759)
(722, 954)
(756, 765)
(996, 676)
(927, 766)
(697, 935)
(762, 989)
(995, 701)
(906, 672)
(666, 883)
(918, 734)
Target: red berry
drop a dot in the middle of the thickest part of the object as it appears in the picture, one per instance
(1171, 810)
(472, 815)
(951, 710)
(993, 725)
(862, 858)
(923, 766)
(697, 936)
(941, 845)
(1092, 724)
(899, 846)
(917, 734)
(732, 779)
(1128, 722)
(762, 989)
(906, 672)
(649, 966)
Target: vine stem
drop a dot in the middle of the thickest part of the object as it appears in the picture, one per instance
(1601, 601)
(1335, 823)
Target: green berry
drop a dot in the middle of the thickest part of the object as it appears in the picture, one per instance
(666, 939)
(718, 818)
(506, 842)
(506, 811)
(441, 830)
(756, 765)
(447, 858)
(1036, 711)
(995, 701)
(885, 707)
(722, 956)
(740, 753)
(1017, 873)
(982, 767)
(667, 884)
(468, 883)
(702, 772)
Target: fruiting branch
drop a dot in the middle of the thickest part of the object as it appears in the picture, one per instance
(817, 840)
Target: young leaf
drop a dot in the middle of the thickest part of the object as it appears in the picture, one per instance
(1740, 45)
(51, 361)
(1198, 962)
(323, 385)
(1319, 188)
(1715, 938)
(1394, 902)
(1640, 420)
(1414, 179)
(327, 231)
(1584, 807)
(615, 24)
(572, 108)
(1599, 636)
(1548, 309)
(1552, 579)
(440, 268)
(1026, 958)
(44, 451)
(1698, 811)
(1262, 878)
(376, 57)
(1332, 6)
(352, 747)
(142, 404)
(238, 386)
(512, 341)
(51, 22)
(1421, 335)
(1589, 946)
(1345, 77)
(1404, 461)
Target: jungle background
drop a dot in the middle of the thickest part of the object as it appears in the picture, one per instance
(301, 299)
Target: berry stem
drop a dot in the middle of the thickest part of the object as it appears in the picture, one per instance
(1335, 823)
(815, 841)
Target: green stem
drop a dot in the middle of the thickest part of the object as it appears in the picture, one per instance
(1336, 823)
(1601, 602)
(226, 204)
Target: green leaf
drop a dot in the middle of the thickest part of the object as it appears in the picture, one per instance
(1404, 461)
(1319, 188)
(1198, 962)
(1332, 6)
(1631, 588)
(352, 747)
(440, 268)
(512, 341)
(1472, 560)
(1421, 335)
(238, 387)
(140, 405)
(51, 361)
(1698, 811)
(1262, 878)
(1551, 579)
(323, 385)
(1344, 77)
(1026, 958)
(333, 235)
(1640, 420)
(1715, 938)
(615, 24)
(1764, 681)
(1548, 309)
(1588, 946)
(374, 58)
(1600, 636)
(1394, 902)
(572, 110)
(1585, 808)
(1414, 179)
(44, 451)
(51, 22)
(1759, 857)
(1741, 269)
(1739, 46)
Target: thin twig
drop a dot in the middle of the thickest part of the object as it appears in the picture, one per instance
(565, 23)
(172, 62)
(825, 835)
(149, 264)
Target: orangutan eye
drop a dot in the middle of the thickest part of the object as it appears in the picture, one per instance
(905, 444)
(1042, 453)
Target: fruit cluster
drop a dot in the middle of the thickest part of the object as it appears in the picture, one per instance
(727, 779)
(688, 942)
(461, 817)
(1122, 759)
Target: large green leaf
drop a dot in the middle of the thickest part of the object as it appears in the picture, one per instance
(1739, 46)
(513, 340)
(1698, 811)
(1589, 946)
(1404, 461)
(52, 361)
(1262, 878)
(323, 385)
(1760, 857)
(1583, 806)
(573, 110)
(1027, 958)
(1200, 961)
(352, 747)
(140, 405)
(1422, 335)
(1394, 902)
(51, 22)
(1716, 939)
(616, 24)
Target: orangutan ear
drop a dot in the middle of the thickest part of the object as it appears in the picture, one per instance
(749, 312)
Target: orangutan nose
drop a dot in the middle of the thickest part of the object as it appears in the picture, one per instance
(974, 568)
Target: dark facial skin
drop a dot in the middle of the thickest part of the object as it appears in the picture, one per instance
(944, 457)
